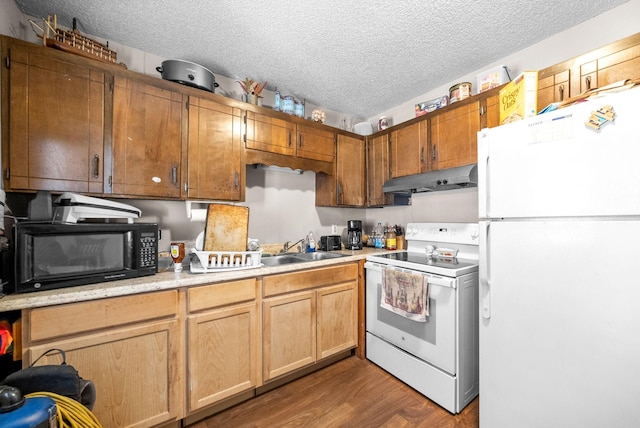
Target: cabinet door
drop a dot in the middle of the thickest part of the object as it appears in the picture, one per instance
(147, 139)
(138, 381)
(289, 333)
(56, 124)
(490, 111)
(377, 169)
(553, 88)
(408, 150)
(620, 65)
(214, 151)
(350, 171)
(454, 136)
(337, 319)
(269, 134)
(316, 144)
(223, 354)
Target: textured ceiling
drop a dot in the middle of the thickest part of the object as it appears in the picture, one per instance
(357, 57)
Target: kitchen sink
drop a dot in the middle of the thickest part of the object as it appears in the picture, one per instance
(285, 259)
(319, 256)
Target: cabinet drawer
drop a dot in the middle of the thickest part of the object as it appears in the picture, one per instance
(72, 318)
(216, 295)
(297, 281)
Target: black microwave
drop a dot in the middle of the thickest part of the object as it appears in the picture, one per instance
(49, 256)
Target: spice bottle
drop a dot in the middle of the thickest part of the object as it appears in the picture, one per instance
(390, 238)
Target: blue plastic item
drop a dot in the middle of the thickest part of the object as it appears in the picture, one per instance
(37, 412)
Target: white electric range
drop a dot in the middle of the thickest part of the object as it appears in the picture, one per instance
(436, 353)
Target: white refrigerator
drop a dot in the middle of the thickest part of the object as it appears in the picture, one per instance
(559, 208)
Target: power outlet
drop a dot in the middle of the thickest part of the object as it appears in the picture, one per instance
(334, 229)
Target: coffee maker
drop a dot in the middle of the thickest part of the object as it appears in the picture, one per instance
(354, 235)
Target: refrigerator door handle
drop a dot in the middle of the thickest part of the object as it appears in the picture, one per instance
(483, 174)
(485, 277)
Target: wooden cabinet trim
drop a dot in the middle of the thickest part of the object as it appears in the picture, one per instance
(221, 294)
(308, 279)
(73, 318)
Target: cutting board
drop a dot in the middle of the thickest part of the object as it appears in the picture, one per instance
(226, 228)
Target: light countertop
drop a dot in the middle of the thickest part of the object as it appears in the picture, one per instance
(165, 280)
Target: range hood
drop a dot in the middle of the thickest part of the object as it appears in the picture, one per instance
(446, 179)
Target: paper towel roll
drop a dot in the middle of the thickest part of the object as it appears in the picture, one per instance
(198, 215)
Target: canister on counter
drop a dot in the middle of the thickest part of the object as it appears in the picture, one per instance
(459, 91)
(383, 123)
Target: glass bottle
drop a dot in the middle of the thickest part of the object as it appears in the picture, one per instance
(390, 241)
(276, 103)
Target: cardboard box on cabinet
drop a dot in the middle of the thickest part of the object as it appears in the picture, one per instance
(519, 98)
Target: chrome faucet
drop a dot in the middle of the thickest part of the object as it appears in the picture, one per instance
(287, 246)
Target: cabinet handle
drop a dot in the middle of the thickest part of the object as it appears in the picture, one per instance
(421, 154)
(289, 135)
(587, 82)
(246, 127)
(186, 186)
(300, 142)
(434, 154)
(561, 92)
(96, 166)
(174, 175)
(236, 180)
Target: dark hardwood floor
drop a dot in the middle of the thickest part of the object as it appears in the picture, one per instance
(349, 393)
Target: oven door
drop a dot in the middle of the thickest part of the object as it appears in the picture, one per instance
(433, 341)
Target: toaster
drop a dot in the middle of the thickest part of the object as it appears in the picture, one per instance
(330, 243)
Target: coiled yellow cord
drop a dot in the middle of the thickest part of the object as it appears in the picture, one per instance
(71, 414)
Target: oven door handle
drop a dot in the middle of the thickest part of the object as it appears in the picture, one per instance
(431, 279)
(373, 266)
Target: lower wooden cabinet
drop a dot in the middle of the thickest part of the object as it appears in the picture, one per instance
(337, 319)
(223, 341)
(157, 358)
(130, 347)
(307, 316)
(289, 333)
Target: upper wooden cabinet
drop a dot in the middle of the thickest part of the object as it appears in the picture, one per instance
(272, 139)
(314, 143)
(55, 113)
(215, 169)
(147, 139)
(346, 187)
(269, 134)
(350, 171)
(611, 63)
(454, 136)
(409, 149)
(377, 170)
